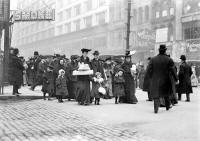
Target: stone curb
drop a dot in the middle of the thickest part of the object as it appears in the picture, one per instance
(21, 97)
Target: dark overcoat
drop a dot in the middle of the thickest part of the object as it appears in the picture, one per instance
(146, 84)
(83, 85)
(141, 75)
(184, 75)
(61, 86)
(48, 82)
(97, 66)
(118, 89)
(159, 70)
(72, 80)
(129, 83)
(16, 71)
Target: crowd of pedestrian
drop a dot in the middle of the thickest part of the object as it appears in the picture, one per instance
(112, 78)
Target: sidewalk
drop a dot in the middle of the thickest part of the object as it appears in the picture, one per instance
(26, 93)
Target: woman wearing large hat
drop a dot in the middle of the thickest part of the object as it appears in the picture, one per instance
(83, 81)
(129, 81)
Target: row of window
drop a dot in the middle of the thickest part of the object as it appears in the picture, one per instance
(164, 13)
(35, 37)
(86, 5)
(32, 28)
(77, 10)
(141, 15)
(86, 22)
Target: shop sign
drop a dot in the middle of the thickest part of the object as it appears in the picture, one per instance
(34, 15)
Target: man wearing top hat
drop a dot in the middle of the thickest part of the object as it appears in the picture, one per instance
(160, 70)
(129, 81)
(185, 73)
(83, 82)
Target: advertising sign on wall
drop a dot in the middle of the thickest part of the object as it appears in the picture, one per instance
(34, 15)
(161, 35)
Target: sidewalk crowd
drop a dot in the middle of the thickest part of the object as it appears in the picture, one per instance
(116, 77)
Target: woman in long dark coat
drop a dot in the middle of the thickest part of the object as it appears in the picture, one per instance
(16, 77)
(73, 79)
(83, 84)
(129, 82)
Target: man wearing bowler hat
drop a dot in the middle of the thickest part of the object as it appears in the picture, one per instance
(35, 69)
(160, 69)
(97, 66)
(185, 73)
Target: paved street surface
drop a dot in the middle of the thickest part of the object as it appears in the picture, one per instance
(31, 120)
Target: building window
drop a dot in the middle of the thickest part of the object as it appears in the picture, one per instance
(88, 5)
(164, 13)
(192, 30)
(77, 25)
(68, 2)
(146, 13)
(60, 29)
(140, 16)
(102, 3)
(88, 21)
(60, 3)
(100, 41)
(77, 10)
(68, 27)
(68, 13)
(157, 14)
(171, 12)
(101, 18)
(134, 16)
(60, 16)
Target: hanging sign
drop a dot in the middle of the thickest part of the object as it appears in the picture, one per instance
(39, 15)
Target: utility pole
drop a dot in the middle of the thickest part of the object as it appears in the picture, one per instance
(6, 40)
(128, 25)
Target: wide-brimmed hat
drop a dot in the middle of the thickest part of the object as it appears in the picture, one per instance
(85, 50)
(127, 54)
(74, 57)
(36, 53)
(183, 57)
(163, 47)
(108, 59)
(96, 52)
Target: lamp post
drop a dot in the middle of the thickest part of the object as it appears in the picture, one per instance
(128, 25)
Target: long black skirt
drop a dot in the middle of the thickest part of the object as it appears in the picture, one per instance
(83, 92)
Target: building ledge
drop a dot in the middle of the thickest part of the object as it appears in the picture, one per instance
(190, 17)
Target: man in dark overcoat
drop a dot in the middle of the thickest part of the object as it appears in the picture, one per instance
(160, 68)
(36, 70)
(129, 81)
(97, 66)
(16, 74)
(146, 84)
(83, 82)
(185, 73)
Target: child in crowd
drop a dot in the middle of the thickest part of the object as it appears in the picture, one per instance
(48, 82)
(61, 86)
(118, 85)
(97, 87)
